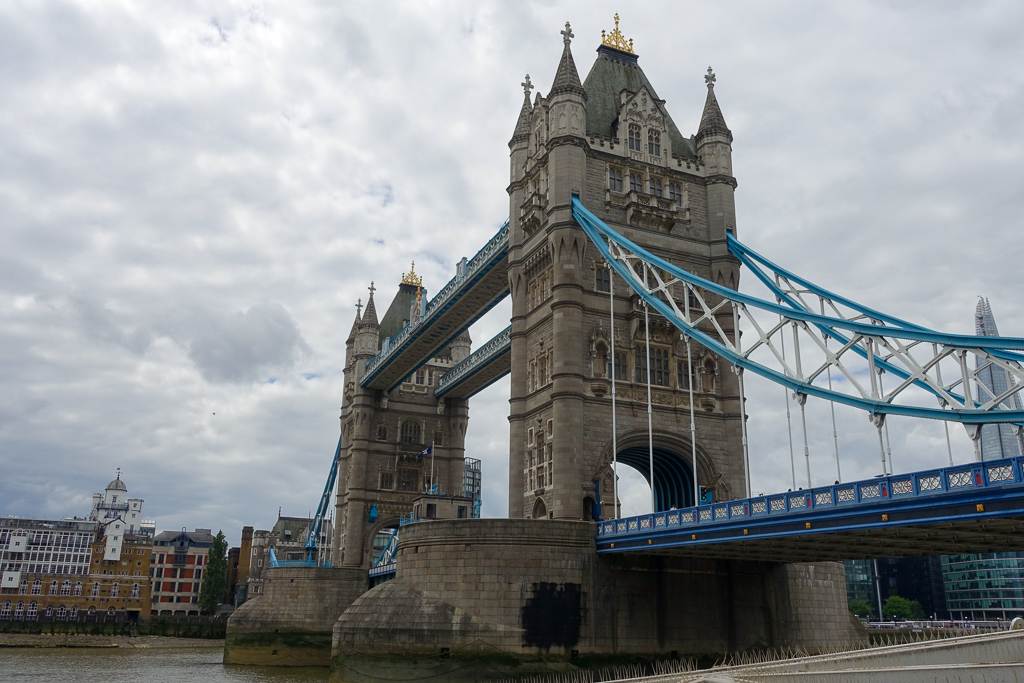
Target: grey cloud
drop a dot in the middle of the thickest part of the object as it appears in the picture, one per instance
(239, 347)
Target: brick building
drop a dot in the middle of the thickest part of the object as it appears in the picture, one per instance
(178, 559)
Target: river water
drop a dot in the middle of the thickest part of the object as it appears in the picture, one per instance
(132, 665)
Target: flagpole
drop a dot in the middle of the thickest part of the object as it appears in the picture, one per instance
(433, 481)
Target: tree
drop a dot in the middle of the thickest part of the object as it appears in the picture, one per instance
(860, 608)
(215, 576)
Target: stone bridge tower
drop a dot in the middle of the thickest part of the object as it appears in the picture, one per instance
(383, 433)
(610, 140)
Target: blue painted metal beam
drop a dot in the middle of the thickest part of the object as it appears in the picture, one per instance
(478, 372)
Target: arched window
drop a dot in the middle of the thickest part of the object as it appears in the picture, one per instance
(19, 610)
(92, 609)
(410, 431)
(135, 590)
(23, 587)
(37, 587)
(73, 612)
(62, 612)
(654, 142)
(634, 138)
(113, 591)
(636, 182)
(382, 432)
(78, 587)
(5, 610)
(32, 611)
(65, 587)
(110, 612)
(95, 589)
(53, 587)
(49, 610)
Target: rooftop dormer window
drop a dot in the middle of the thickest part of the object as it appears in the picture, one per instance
(634, 138)
(654, 142)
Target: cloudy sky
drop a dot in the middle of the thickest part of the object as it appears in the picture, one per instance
(194, 195)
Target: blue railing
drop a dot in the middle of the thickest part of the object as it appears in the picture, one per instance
(975, 475)
(496, 346)
(482, 261)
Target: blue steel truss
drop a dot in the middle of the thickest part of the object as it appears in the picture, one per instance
(989, 489)
(867, 341)
(468, 274)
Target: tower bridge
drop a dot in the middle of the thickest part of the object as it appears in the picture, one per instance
(622, 260)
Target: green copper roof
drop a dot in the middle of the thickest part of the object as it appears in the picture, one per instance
(613, 72)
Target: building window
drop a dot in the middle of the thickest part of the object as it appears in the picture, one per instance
(37, 587)
(421, 376)
(113, 591)
(636, 182)
(675, 194)
(655, 185)
(33, 610)
(73, 612)
(5, 610)
(682, 375)
(19, 610)
(634, 137)
(95, 589)
(407, 479)
(387, 480)
(661, 367)
(110, 611)
(135, 590)
(62, 612)
(382, 432)
(65, 588)
(619, 366)
(438, 438)
(542, 370)
(654, 142)
(410, 431)
(23, 587)
(602, 279)
(614, 180)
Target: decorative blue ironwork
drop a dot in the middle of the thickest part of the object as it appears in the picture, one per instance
(994, 474)
(498, 345)
(881, 342)
(468, 273)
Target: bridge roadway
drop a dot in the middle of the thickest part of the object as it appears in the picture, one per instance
(484, 367)
(973, 508)
(479, 284)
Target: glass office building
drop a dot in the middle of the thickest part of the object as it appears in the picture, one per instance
(985, 586)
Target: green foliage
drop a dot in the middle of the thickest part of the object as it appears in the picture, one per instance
(215, 576)
(897, 608)
(862, 609)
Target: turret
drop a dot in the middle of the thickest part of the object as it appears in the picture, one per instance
(460, 347)
(714, 147)
(367, 341)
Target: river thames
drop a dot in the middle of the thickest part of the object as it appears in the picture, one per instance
(131, 665)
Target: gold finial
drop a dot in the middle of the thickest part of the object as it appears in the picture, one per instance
(616, 40)
(411, 278)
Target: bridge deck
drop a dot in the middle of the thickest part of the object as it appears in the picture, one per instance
(485, 367)
(481, 282)
(965, 509)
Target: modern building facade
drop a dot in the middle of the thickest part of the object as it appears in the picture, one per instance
(62, 569)
(178, 560)
(984, 586)
(472, 484)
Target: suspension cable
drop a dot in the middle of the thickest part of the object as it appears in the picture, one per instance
(801, 398)
(789, 421)
(615, 445)
(831, 404)
(743, 403)
(693, 423)
(650, 422)
(888, 444)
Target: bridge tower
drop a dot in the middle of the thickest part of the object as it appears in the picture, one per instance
(383, 433)
(611, 141)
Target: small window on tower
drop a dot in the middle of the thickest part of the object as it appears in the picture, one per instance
(655, 184)
(636, 182)
(410, 431)
(615, 180)
(654, 142)
(602, 279)
(382, 432)
(675, 193)
(387, 480)
(421, 376)
(634, 138)
(438, 438)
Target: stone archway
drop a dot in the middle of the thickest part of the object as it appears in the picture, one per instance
(540, 510)
(673, 467)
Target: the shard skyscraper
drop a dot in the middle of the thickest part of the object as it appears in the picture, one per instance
(997, 441)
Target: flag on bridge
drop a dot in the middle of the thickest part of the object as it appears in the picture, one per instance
(429, 450)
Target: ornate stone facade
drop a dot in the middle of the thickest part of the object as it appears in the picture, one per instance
(611, 141)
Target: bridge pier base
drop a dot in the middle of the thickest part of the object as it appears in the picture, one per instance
(290, 623)
(482, 599)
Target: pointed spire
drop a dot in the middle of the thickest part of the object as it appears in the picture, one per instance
(370, 315)
(355, 323)
(984, 321)
(522, 132)
(567, 79)
(711, 121)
